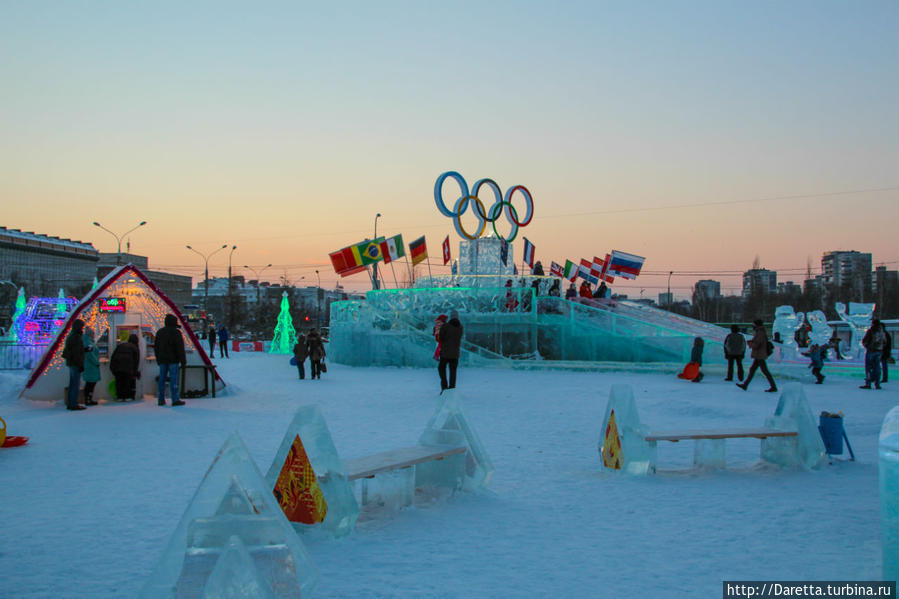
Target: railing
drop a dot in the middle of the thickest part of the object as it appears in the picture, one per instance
(18, 356)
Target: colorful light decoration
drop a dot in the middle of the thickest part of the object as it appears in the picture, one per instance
(17, 316)
(41, 318)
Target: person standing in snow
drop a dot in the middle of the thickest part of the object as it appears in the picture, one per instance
(124, 364)
(696, 357)
(224, 337)
(91, 373)
(759, 345)
(211, 335)
(315, 347)
(438, 323)
(734, 351)
(874, 341)
(169, 350)
(299, 355)
(450, 338)
(73, 354)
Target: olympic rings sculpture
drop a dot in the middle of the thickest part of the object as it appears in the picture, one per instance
(502, 203)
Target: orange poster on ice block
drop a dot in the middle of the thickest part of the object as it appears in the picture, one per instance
(297, 489)
(611, 445)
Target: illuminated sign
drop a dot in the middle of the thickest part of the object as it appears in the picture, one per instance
(112, 304)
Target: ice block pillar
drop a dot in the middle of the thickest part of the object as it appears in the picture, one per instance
(622, 444)
(793, 414)
(232, 534)
(889, 493)
(309, 426)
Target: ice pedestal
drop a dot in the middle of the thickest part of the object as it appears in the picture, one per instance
(623, 444)
(888, 448)
(710, 454)
(232, 503)
(793, 414)
(392, 490)
(342, 509)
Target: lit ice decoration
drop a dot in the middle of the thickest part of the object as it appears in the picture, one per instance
(858, 317)
(786, 323)
(233, 539)
(18, 315)
(821, 332)
(42, 318)
(285, 335)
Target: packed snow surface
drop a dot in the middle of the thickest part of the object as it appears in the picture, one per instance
(88, 505)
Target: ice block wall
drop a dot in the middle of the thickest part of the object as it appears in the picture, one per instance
(889, 493)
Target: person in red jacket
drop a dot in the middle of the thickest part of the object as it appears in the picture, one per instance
(585, 290)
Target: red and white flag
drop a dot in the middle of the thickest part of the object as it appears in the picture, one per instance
(446, 251)
(555, 269)
(602, 267)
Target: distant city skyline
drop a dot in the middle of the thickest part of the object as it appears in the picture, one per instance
(700, 135)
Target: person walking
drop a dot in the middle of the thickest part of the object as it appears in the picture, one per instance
(886, 355)
(125, 364)
(170, 356)
(874, 342)
(761, 350)
(734, 352)
(73, 354)
(315, 348)
(211, 335)
(299, 355)
(91, 374)
(816, 355)
(224, 337)
(450, 347)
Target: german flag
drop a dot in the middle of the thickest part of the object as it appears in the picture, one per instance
(418, 250)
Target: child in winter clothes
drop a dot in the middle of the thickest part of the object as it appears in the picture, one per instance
(696, 356)
(816, 353)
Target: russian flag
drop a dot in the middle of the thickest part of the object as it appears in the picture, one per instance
(625, 265)
(529, 253)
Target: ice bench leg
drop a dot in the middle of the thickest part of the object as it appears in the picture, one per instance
(709, 453)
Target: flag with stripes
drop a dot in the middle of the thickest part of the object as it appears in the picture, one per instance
(602, 266)
(625, 265)
(570, 272)
(346, 259)
(529, 253)
(446, 251)
(418, 249)
(392, 248)
(555, 269)
(585, 272)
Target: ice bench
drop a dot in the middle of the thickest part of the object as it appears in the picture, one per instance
(449, 456)
(789, 438)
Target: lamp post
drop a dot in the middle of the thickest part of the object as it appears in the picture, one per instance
(230, 317)
(118, 238)
(258, 279)
(374, 267)
(206, 261)
(318, 297)
(670, 272)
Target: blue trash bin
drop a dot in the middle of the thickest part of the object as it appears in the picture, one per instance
(831, 428)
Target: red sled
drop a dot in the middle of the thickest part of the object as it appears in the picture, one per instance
(691, 371)
(14, 441)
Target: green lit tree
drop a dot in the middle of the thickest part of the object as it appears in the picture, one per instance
(285, 335)
(18, 315)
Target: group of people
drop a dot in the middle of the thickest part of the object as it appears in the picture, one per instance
(735, 345)
(223, 337)
(310, 346)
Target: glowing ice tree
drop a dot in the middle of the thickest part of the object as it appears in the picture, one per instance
(285, 335)
(17, 316)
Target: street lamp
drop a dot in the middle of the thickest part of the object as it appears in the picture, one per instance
(374, 267)
(671, 272)
(230, 316)
(206, 260)
(318, 296)
(258, 279)
(119, 238)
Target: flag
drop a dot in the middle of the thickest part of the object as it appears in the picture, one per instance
(570, 271)
(352, 271)
(584, 272)
(555, 269)
(345, 259)
(392, 248)
(504, 251)
(625, 265)
(370, 251)
(529, 253)
(418, 250)
(603, 266)
(446, 251)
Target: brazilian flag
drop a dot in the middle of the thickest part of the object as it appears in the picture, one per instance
(370, 251)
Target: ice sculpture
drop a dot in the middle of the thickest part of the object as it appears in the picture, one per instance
(623, 444)
(309, 426)
(448, 426)
(233, 539)
(821, 332)
(858, 317)
(793, 414)
(888, 448)
(786, 323)
(483, 257)
(285, 336)
(18, 317)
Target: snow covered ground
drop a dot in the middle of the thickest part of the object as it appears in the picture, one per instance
(87, 507)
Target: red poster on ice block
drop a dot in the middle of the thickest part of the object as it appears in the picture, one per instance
(246, 346)
(297, 489)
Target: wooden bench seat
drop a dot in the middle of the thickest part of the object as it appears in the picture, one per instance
(395, 459)
(756, 433)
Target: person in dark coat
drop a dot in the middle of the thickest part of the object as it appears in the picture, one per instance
(125, 365)
(315, 348)
(538, 269)
(571, 292)
(734, 351)
(759, 346)
(170, 356)
(299, 355)
(696, 356)
(211, 335)
(885, 356)
(450, 348)
(816, 354)
(875, 340)
(555, 290)
(224, 337)
(73, 354)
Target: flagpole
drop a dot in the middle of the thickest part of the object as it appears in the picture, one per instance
(394, 275)
(410, 270)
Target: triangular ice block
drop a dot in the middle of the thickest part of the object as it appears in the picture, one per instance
(793, 413)
(232, 500)
(448, 426)
(622, 442)
(342, 509)
(235, 575)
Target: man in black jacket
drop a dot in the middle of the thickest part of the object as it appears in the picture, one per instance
(73, 354)
(169, 350)
(450, 347)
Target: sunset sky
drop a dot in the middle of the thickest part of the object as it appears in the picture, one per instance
(700, 135)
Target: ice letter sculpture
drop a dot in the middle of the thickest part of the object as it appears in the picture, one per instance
(858, 317)
(821, 332)
(889, 494)
(786, 323)
(309, 427)
(623, 444)
(793, 414)
(233, 539)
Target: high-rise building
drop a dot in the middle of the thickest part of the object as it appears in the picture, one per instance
(707, 289)
(759, 279)
(45, 264)
(850, 268)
